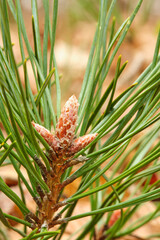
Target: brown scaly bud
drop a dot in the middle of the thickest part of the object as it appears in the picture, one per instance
(63, 142)
(81, 142)
(65, 129)
(48, 137)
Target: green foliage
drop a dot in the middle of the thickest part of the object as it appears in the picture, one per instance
(116, 120)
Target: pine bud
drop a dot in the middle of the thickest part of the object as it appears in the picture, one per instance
(66, 125)
(48, 137)
(82, 142)
(62, 142)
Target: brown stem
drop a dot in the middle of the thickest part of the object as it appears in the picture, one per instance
(72, 162)
(40, 192)
(48, 203)
(60, 221)
(56, 217)
(51, 155)
(38, 202)
(58, 205)
(30, 220)
(67, 181)
(34, 217)
(42, 167)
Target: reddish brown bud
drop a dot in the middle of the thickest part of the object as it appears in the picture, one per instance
(81, 142)
(62, 142)
(66, 125)
(48, 137)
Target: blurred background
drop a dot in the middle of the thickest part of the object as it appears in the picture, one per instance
(75, 30)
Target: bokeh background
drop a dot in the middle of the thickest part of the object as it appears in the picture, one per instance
(75, 30)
